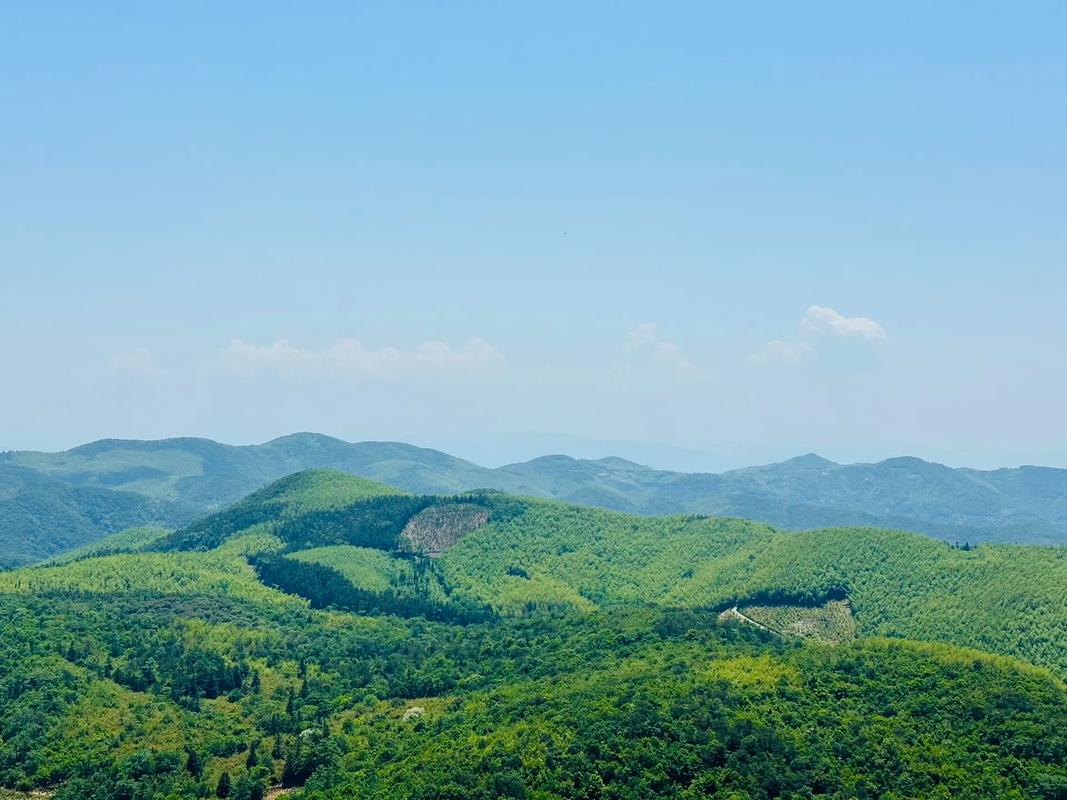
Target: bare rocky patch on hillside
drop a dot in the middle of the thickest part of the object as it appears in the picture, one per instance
(831, 622)
(433, 530)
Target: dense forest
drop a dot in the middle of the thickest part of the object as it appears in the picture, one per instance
(1001, 598)
(301, 639)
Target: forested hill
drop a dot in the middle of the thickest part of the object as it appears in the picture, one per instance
(506, 555)
(41, 515)
(337, 637)
(185, 478)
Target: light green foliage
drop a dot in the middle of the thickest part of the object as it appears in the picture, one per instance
(589, 556)
(1001, 598)
(365, 567)
(313, 490)
(164, 573)
(317, 490)
(252, 541)
(130, 540)
(1005, 599)
(376, 571)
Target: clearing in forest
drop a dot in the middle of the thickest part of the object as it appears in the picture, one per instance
(433, 530)
(831, 622)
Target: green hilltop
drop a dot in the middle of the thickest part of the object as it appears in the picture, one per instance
(315, 490)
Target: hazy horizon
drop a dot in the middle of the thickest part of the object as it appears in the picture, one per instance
(501, 449)
(725, 238)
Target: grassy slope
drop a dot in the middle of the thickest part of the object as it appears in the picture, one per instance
(365, 567)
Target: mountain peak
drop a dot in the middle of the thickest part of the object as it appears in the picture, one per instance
(809, 460)
(616, 462)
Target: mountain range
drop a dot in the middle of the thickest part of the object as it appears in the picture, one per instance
(50, 502)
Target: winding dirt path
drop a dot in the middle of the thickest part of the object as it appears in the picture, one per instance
(734, 613)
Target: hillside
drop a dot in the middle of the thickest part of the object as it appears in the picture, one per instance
(189, 477)
(304, 637)
(514, 555)
(1000, 598)
(41, 516)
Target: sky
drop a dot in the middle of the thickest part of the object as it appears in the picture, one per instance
(699, 234)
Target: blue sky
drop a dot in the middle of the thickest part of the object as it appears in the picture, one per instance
(501, 228)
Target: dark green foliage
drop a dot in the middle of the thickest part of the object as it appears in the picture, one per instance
(144, 775)
(314, 749)
(325, 587)
(319, 508)
(305, 494)
(193, 764)
(375, 522)
(811, 598)
(663, 725)
(166, 660)
(631, 703)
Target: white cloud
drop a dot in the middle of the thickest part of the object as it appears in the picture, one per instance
(352, 358)
(778, 351)
(820, 319)
(642, 336)
(645, 341)
(138, 363)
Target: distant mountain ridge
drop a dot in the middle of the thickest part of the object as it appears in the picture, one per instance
(53, 501)
(41, 515)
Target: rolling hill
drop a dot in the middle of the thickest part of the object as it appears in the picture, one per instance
(185, 478)
(305, 638)
(510, 555)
